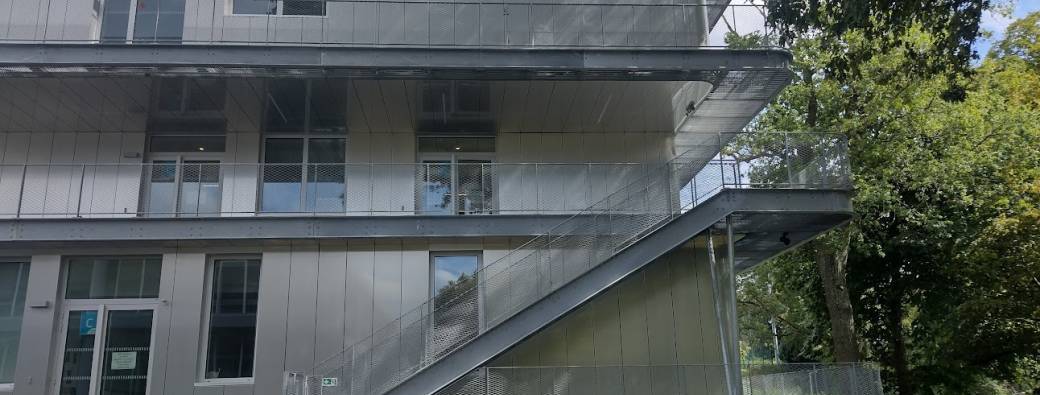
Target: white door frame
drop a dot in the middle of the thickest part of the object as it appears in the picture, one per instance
(179, 159)
(102, 307)
(453, 159)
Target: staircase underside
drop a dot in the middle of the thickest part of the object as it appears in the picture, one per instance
(761, 218)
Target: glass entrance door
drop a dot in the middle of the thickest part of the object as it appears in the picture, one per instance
(107, 350)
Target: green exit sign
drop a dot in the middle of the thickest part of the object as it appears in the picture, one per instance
(329, 381)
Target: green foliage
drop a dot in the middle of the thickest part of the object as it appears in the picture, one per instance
(953, 23)
(944, 265)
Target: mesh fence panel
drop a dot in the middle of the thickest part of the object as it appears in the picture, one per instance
(649, 199)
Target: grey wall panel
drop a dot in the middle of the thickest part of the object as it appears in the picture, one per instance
(387, 283)
(330, 307)
(24, 19)
(301, 319)
(492, 24)
(542, 25)
(391, 23)
(209, 390)
(358, 313)
(39, 326)
(235, 29)
(191, 22)
(5, 17)
(417, 24)
(288, 29)
(518, 25)
(238, 389)
(467, 24)
(186, 305)
(259, 26)
(366, 23)
(163, 323)
(204, 20)
(271, 320)
(55, 22)
(340, 26)
(442, 25)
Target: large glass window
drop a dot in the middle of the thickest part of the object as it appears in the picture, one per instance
(302, 105)
(14, 275)
(304, 174)
(232, 318)
(457, 175)
(113, 277)
(456, 315)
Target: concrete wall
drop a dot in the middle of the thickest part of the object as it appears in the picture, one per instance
(640, 22)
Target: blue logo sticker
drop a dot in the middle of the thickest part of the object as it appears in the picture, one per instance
(88, 323)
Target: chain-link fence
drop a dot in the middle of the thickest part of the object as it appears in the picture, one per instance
(528, 273)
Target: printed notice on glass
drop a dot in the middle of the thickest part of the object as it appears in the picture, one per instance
(124, 360)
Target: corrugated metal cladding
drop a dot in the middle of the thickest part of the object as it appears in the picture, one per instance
(316, 298)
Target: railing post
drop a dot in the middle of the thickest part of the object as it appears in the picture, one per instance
(787, 162)
(722, 164)
(79, 195)
(21, 194)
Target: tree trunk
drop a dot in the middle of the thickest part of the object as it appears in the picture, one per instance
(904, 383)
(831, 261)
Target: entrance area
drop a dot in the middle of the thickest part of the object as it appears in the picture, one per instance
(456, 175)
(108, 314)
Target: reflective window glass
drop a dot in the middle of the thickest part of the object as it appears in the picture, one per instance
(14, 275)
(232, 319)
(286, 105)
(112, 277)
(283, 175)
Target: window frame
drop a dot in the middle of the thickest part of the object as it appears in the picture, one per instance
(229, 8)
(9, 386)
(207, 306)
(66, 261)
(432, 282)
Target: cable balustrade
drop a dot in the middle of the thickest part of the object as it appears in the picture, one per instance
(476, 303)
(210, 188)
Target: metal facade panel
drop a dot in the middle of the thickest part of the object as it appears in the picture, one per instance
(330, 307)
(189, 286)
(360, 283)
(275, 269)
(35, 359)
(302, 318)
(163, 322)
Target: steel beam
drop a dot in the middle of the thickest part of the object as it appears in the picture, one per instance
(652, 64)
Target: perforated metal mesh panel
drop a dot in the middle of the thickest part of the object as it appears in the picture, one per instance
(504, 287)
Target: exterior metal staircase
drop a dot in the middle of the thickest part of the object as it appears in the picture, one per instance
(510, 299)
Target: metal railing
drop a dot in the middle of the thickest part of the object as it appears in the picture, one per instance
(194, 189)
(458, 313)
(681, 379)
(441, 23)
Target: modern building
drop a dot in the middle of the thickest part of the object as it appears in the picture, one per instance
(389, 196)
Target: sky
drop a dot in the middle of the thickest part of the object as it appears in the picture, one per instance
(998, 23)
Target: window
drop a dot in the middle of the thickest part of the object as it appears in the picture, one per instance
(279, 7)
(113, 277)
(188, 105)
(307, 106)
(304, 174)
(13, 277)
(231, 334)
(456, 315)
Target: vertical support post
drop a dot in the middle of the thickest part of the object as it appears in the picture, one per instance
(787, 162)
(722, 164)
(79, 195)
(21, 194)
(731, 268)
(723, 284)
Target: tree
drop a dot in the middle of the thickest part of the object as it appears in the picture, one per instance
(942, 251)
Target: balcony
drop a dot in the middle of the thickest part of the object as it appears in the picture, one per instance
(166, 189)
(467, 24)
